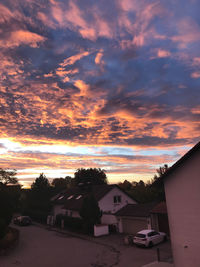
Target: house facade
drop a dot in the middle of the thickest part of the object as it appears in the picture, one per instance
(110, 199)
(182, 188)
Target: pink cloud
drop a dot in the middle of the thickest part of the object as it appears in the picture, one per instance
(163, 53)
(195, 75)
(188, 32)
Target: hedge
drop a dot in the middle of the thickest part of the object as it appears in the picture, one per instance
(10, 239)
(70, 222)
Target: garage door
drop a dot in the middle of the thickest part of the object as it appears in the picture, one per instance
(132, 226)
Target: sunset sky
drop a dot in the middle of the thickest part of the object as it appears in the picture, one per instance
(110, 84)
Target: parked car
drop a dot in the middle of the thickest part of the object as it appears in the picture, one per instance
(22, 220)
(149, 238)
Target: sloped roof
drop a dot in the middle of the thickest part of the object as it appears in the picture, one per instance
(161, 208)
(182, 160)
(73, 198)
(136, 210)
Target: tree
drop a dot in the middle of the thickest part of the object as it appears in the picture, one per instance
(93, 176)
(39, 198)
(8, 177)
(161, 171)
(41, 184)
(62, 183)
(126, 185)
(90, 212)
(6, 210)
(157, 184)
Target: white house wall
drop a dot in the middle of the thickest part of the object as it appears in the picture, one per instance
(183, 204)
(109, 219)
(107, 204)
(57, 209)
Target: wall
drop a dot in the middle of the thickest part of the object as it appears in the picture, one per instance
(100, 230)
(109, 219)
(107, 204)
(57, 209)
(183, 204)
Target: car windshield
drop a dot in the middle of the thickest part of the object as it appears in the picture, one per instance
(141, 235)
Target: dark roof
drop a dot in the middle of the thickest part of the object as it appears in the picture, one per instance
(136, 210)
(72, 198)
(161, 208)
(182, 160)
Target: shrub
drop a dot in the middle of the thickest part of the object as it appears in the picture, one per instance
(74, 224)
(11, 237)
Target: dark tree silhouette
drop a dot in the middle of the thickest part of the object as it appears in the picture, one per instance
(62, 183)
(41, 184)
(90, 212)
(157, 184)
(8, 177)
(91, 176)
(39, 199)
(6, 210)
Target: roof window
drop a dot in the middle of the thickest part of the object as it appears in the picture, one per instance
(70, 197)
(78, 197)
(60, 197)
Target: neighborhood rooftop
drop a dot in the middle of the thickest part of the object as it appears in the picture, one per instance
(137, 210)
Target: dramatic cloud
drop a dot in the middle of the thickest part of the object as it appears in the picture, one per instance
(97, 74)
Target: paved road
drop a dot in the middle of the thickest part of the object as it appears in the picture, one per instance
(39, 247)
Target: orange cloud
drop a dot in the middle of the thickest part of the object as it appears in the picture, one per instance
(71, 60)
(20, 37)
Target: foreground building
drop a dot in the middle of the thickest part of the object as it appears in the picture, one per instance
(182, 188)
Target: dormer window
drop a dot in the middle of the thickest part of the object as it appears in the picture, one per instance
(117, 199)
(70, 197)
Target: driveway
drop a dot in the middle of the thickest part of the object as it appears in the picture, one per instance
(39, 247)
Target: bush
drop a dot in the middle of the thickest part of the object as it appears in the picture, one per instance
(74, 224)
(11, 237)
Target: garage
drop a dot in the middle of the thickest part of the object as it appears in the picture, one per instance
(134, 225)
(134, 217)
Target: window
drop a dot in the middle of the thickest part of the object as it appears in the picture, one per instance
(117, 199)
(60, 197)
(70, 197)
(152, 234)
(78, 197)
(141, 235)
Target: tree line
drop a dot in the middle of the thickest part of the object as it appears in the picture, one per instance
(36, 200)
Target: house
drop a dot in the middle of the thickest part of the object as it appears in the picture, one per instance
(111, 198)
(134, 218)
(159, 218)
(182, 188)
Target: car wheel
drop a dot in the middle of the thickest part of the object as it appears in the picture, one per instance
(150, 244)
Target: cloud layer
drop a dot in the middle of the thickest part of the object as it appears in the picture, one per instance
(99, 73)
